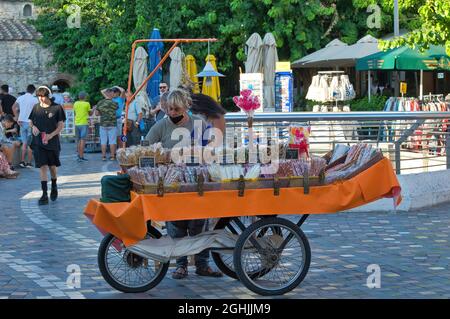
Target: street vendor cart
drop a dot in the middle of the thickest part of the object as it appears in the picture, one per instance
(258, 237)
(270, 256)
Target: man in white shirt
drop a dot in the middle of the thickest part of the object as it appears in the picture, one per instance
(24, 105)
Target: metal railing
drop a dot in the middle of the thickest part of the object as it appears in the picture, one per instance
(414, 141)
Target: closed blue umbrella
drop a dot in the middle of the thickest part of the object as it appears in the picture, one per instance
(154, 57)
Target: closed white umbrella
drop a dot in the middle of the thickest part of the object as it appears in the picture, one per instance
(254, 54)
(270, 59)
(140, 73)
(176, 68)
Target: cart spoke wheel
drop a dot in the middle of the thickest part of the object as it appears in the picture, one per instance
(281, 262)
(128, 272)
(224, 261)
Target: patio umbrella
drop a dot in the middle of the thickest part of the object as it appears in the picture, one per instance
(405, 58)
(154, 57)
(140, 73)
(331, 49)
(347, 55)
(191, 69)
(270, 58)
(254, 54)
(176, 68)
(211, 88)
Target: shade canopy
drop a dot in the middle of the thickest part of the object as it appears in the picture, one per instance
(254, 54)
(405, 58)
(140, 73)
(191, 69)
(270, 59)
(154, 57)
(176, 68)
(328, 51)
(343, 55)
(347, 56)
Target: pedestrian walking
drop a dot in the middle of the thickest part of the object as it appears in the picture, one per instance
(47, 121)
(82, 109)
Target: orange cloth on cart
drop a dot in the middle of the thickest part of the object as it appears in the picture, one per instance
(127, 221)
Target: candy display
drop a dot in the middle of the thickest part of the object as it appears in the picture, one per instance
(130, 155)
(220, 173)
(299, 138)
(343, 163)
(358, 156)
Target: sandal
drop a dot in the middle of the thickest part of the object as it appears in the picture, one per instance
(208, 272)
(112, 158)
(180, 273)
(12, 175)
(104, 158)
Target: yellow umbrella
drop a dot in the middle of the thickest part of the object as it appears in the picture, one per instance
(211, 88)
(191, 69)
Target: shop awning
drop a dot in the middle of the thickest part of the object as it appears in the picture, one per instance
(339, 54)
(349, 55)
(405, 58)
(328, 51)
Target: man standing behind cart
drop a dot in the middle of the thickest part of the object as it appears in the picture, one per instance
(178, 102)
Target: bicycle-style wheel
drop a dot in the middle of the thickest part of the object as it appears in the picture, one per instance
(279, 248)
(224, 258)
(126, 271)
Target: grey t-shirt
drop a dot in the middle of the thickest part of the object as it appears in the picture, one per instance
(162, 132)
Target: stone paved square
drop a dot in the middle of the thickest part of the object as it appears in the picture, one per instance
(39, 243)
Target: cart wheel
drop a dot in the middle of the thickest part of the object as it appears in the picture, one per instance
(280, 249)
(128, 272)
(224, 260)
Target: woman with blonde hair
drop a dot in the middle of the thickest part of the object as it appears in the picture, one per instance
(177, 106)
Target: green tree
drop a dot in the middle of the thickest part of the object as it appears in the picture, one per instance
(98, 53)
(432, 27)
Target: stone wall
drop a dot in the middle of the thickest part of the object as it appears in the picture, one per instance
(23, 63)
(14, 9)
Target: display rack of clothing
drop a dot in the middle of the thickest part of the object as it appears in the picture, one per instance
(426, 137)
(93, 136)
(431, 103)
(330, 86)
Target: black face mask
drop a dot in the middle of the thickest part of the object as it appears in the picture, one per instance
(176, 119)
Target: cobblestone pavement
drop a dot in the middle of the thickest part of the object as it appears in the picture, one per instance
(37, 244)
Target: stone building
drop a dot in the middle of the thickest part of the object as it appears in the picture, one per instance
(22, 60)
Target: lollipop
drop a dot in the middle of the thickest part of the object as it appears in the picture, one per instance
(247, 103)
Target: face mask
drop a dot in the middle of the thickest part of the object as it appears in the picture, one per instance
(176, 119)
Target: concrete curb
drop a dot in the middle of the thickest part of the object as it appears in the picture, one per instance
(418, 191)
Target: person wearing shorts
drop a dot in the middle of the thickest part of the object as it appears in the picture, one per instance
(82, 110)
(47, 121)
(24, 104)
(106, 108)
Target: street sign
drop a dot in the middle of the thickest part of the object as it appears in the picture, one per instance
(403, 87)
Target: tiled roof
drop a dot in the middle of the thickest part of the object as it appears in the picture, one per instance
(14, 29)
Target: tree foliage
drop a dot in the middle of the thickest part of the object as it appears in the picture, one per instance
(432, 27)
(98, 53)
